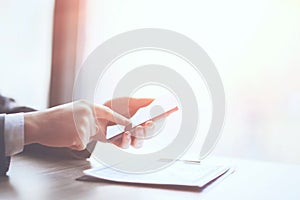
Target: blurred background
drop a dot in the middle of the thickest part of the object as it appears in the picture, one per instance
(255, 46)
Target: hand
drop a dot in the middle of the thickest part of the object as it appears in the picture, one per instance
(128, 107)
(55, 127)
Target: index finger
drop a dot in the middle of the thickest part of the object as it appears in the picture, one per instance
(103, 112)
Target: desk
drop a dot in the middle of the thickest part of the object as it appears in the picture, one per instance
(41, 177)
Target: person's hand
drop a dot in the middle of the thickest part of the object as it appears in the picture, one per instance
(55, 127)
(127, 107)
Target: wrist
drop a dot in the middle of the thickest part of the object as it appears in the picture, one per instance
(31, 128)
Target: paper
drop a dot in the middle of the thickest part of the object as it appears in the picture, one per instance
(180, 173)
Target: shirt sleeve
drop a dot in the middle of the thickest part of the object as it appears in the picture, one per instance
(14, 133)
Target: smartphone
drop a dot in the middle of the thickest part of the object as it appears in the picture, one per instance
(160, 108)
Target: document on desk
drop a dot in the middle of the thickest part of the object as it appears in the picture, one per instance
(180, 173)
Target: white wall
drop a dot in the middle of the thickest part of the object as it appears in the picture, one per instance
(255, 46)
(25, 50)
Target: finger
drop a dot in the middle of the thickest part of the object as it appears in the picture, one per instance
(136, 104)
(149, 129)
(138, 140)
(126, 140)
(104, 112)
(127, 106)
(116, 141)
(140, 102)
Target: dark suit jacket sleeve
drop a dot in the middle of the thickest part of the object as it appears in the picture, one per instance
(4, 160)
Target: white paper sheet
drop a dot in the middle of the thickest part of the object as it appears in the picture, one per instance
(180, 173)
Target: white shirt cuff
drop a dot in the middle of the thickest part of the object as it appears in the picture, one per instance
(14, 133)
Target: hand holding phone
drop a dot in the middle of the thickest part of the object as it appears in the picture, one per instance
(160, 108)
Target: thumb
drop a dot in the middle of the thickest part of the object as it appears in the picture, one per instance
(103, 112)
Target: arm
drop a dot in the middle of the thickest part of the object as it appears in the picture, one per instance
(55, 127)
(76, 124)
